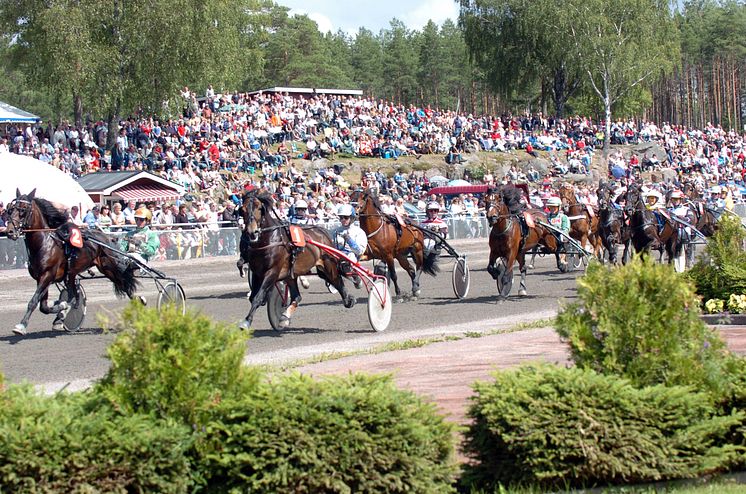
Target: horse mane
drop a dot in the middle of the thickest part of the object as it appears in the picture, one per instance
(373, 198)
(55, 218)
(512, 198)
(267, 200)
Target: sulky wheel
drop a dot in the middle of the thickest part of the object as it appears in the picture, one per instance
(379, 305)
(277, 301)
(460, 278)
(504, 279)
(77, 311)
(172, 294)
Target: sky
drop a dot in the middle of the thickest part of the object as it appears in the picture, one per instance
(374, 15)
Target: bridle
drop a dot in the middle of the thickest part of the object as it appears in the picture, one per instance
(256, 234)
(25, 210)
(493, 219)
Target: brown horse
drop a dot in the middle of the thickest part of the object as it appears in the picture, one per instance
(388, 241)
(267, 246)
(42, 225)
(512, 235)
(611, 222)
(583, 224)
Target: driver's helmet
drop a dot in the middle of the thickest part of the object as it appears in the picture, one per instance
(676, 194)
(554, 202)
(345, 210)
(433, 206)
(143, 212)
(301, 204)
(653, 194)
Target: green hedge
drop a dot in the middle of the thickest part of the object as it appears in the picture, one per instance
(347, 435)
(74, 443)
(175, 365)
(642, 321)
(722, 270)
(555, 427)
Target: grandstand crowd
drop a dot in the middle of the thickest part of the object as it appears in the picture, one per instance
(223, 144)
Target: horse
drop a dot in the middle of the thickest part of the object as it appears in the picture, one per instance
(267, 245)
(507, 241)
(43, 227)
(388, 241)
(611, 227)
(583, 224)
(644, 229)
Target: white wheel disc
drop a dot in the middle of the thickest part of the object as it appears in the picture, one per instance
(379, 306)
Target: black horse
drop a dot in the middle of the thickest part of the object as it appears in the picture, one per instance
(267, 246)
(646, 233)
(611, 227)
(51, 259)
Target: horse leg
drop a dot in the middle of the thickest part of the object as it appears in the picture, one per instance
(61, 308)
(522, 266)
(413, 272)
(260, 287)
(295, 299)
(330, 273)
(41, 289)
(393, 277)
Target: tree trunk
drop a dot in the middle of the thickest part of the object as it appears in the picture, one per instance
(78, 110)
(607, 113)
(559, 92)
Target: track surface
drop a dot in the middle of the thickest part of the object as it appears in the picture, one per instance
(321, 324)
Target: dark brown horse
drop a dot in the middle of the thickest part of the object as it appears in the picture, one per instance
(583, 220)
(41, 224)
(267, 246)
(611, 222)
(508, 240)
(388, 241)
(645, 231)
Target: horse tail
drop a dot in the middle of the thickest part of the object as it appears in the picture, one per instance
(430, 264)
(119, 271)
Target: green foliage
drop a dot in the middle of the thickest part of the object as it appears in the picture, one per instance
(73, 443)
(174, 365)
(722, 271)
(354, 434)
(642, 321)
(551, 426)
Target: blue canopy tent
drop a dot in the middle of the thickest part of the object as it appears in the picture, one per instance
(11, 114)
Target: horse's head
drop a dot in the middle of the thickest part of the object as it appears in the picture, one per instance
(493, 204)
(19, 212)
(253, 210)
(367, 204)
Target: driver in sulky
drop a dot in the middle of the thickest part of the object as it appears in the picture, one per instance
(434, 223)
(141, 243)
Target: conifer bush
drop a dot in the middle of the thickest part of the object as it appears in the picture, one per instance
(75, 443)
(357, 434)
(642, 321)
(721, 272)
(553, 427)
(175, 365)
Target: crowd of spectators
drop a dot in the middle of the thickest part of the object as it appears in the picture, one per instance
(224, 143)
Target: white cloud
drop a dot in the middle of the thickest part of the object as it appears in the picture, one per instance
(435, 10)
(325, 24)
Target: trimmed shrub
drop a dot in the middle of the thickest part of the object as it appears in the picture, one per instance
(175, 365)
(69, 443)
(555, 427)
(642, 321)
(355, 434)
(722, 271)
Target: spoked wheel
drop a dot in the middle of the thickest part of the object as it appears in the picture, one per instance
(277, 301)
(379, 305)
(504, 279)
(77, 311)
(172, 294)
(460, 278)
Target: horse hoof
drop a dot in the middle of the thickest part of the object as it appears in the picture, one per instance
(248, 294)
(20, 329)
(416, 293)
(399, 300)
(522, 292)
(284, 322)
(58, 326)
(142, 300)
(413, 298)
(244, 325)
(530, 266)
(304, 282)
(350, 302)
